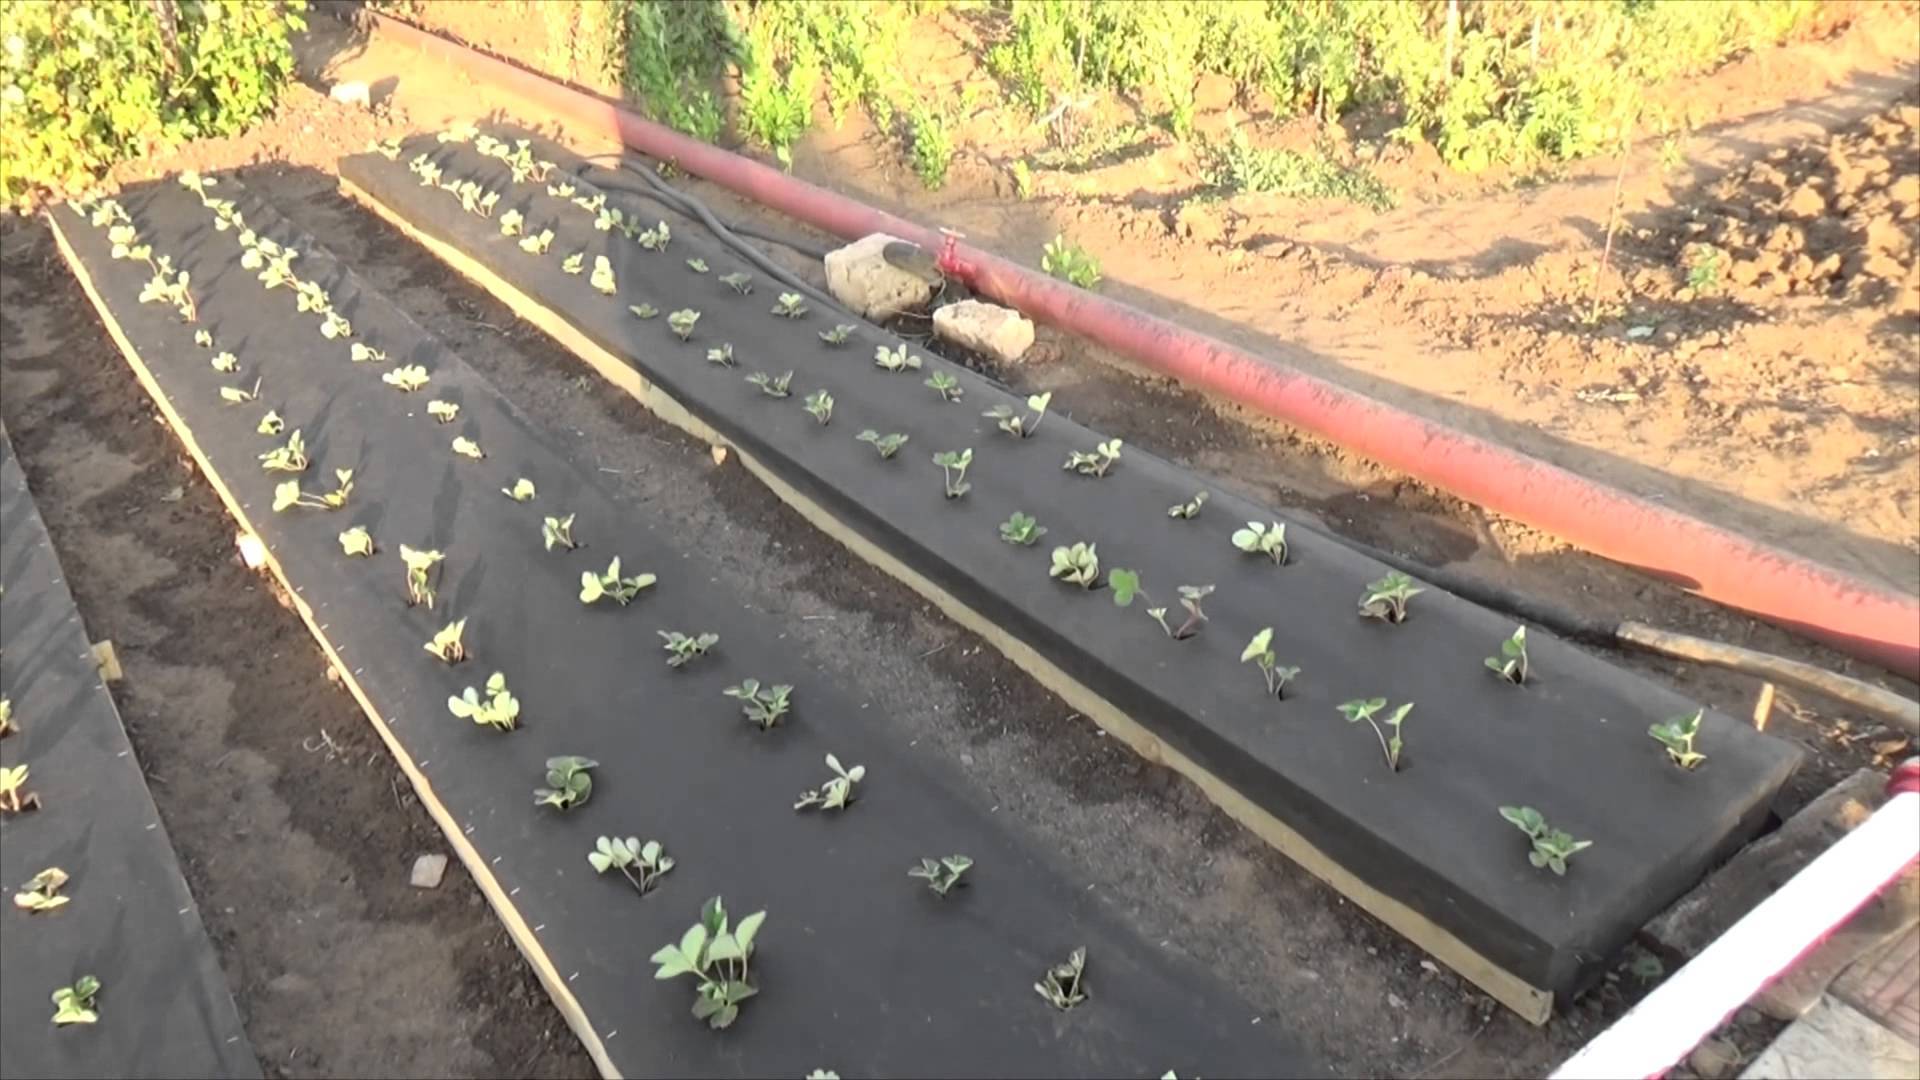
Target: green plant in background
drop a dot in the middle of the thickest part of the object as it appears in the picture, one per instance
(931, 144)
(1259, 652)
(1386, 599)
(623, 589)
(763, 706)
(641, 864)
(1511, 664)
(944, 384)
(719, 959)
(1239, 167)
(1258, 539)
(942, 875)
(1703, 270)
(1076, 565)
(1070, 263)
(83, 86)
(776, 107)
(683, 649)
(497, 708)
(820, 405)
(1096, 464)
(885, 445)
(569, 782)
(75, 1004)
(1063, 985)
(837, 792)
(1021, 529)
(1016, 425)
(1551, 847)
(1677, 736)
(953, 467)
(1367, 709)
(1022, 175)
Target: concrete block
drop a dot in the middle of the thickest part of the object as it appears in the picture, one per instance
(860, 277)
(1002, 333)
(1834, 1039)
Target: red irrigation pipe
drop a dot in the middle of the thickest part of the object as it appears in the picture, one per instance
(1865, 620)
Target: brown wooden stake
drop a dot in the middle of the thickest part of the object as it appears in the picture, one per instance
(1763, 707)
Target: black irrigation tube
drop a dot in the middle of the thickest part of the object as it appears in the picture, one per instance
(861, 969)
(163, 1008)
(1423, 848)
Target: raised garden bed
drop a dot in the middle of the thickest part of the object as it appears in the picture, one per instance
(1423, 845)
(111, 903)
(859, 967)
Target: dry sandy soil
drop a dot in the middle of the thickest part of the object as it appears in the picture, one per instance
(1462, 308)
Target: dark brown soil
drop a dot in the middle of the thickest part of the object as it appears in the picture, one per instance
(294, 829)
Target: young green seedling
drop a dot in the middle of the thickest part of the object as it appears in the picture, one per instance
(494, 707)
(771, 385)
(443, 411)
(1260, 652)
(1062, 987)
(203, 338)
(836, 336)
(14, 796)
(764, 706)
(656, 238)
(521, 491)
(820, 405)
(643, 311)
(641, 864)
(561, 190)
(75, 1004)
(510, 223)
(537, 244)
(558, 532)
(738, 282)
(946, 386)
(1551, 847)
(289, 494)
(240, 395)
(357, 541)
(289, 458)
(1387, 598)
(447, 643)
(683, 650)
(574, 263)
(334, 325)
(953, 467)
(885, 445)
(1078, 565)
(6, 717)
(895, 359)
(609, 218)
(718, 959)
(602, 276)
(225, 363)
(837, 792)
(365, 354)
(681, 323)
(1190, 509)
(698, 266)
(941, 875)
(623, 589)
(1021, 529)
(270, 424)
(568, 782)
(1126, 585)
(1367, 709)
(1097, 463)
(790, 306)
(1677, 736)
(1511, 664)
(420, 566)
(466, 447)
(42, 891)
(1257, 539)
(407, 378)
(723, 355)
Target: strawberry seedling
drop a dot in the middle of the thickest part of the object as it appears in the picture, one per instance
(790, 306)
(270, 424)
(837, 792)
(771, 385)
(763, 706)
(6, 718)
(683, 650)
(681, 323)
(896, 359)
(1063, 986)
(738, 282)
(407, 378)
(357, 541)
(641, 864)
(819, 404)
(14, 796)
(203, 339)
(289, 494)
(537, 244)
(574, 263)
(1511, 664)
(602, 276)
(1076, 565)
(521, 491)
(443, 411)
(510, 223)
(75, 1004)
(1260, 652)
(643, 311)
(1677, 736)
(1097, 463)
(698, 266)
(42, 891)
(953, 468)
(1021, 529)
(447, 644)
(225, 363)
(941, 875)
(718, 959)
(240, 395)
(623, 589)
(569, 783)
(420, 566)
(885, 445)
(1367, 709)
(365, 354)
(289, 458)
(558, 532)
(656, 238)
(723, 355)
(466, 447)
(836, 336)
(1387, 598)
(946, 386)
(1190, 509)
(497, 709)
(1551, 847)
(1126, 585)
(334, 325)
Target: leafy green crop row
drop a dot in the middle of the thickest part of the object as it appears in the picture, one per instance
(83, 86)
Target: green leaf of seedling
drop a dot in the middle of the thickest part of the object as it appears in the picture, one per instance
(1260, 645)
(1124, 583)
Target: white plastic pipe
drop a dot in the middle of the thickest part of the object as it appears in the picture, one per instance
(1685, 1009)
